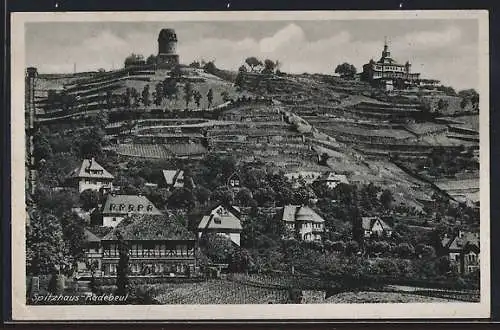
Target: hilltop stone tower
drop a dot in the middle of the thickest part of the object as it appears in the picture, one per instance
(167, 48)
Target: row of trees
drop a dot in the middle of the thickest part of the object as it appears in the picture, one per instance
(253, 64)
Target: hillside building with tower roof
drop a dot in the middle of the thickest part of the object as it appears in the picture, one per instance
(167, 49)
(303, 222)
(388, 74)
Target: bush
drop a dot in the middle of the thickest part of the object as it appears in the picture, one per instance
(56, 284)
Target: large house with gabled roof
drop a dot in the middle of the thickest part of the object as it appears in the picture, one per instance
(117, 207)
(463, 251)
(158, 246)
(90, 175)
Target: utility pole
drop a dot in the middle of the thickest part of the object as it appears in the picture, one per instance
(74, 67)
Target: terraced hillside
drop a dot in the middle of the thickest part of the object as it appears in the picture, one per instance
(58, 97)
(295, 120)
(369, 130)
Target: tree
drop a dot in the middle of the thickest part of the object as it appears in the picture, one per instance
(133, 59)
(109, 99)
(176, 73)
(181, 198)
(188, 93)
(324, 158)
(197, 98)
(151, 59)
(242, 69)
(90, 143)
(170, 89)
(269, 66)
(464, 102)
(89, 199)
(122, 271)
(158, 94)
(74, 235)
(442, 105)
(253, 62)
(195, 64)
(469, 95)
(346, 70)
(202, 194)
(41, 144)
(425, 251)
(210, 97)
(352, 247)
(225, 96)
(210, 67)
(101, 120)
(243, 197)
(223, 195)
(386, 199)
(218, 248)
(145, 96)
(404, 250)
(45, 248)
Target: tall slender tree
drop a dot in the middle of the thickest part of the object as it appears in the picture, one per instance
(188, 93)
(210, 97)
(122, 279)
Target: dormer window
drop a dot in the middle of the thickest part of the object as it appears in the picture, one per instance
(222, 211)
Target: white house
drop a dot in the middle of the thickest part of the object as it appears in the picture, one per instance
(306, 224)
(117, 207)
(90, 175)
(174, 178)
(223, 221)
(332, 180)
(308, 177)
(374, 226)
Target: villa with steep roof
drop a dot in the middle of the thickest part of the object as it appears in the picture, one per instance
(375, 226)
(463, 251)
(223, 221)
(90, 175)
(117, 207)
(303, 222)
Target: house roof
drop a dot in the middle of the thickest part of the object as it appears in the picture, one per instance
(174, 177)
(368, 223)
(149, 227)
(90, 236)
(228, 221)
(292, 213)
(128, 204)
(459, 243)
(88, 169)
(331, 176)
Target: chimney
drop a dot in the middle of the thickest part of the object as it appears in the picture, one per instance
(460, 234)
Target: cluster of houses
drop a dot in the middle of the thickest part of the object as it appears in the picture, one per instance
(158, 247)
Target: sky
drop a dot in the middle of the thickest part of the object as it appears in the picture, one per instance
(444, 49)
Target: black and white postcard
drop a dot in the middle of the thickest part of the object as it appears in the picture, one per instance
(250, 165)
